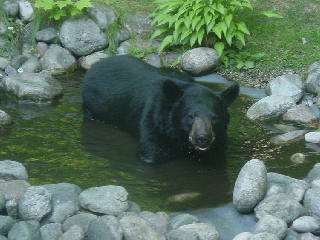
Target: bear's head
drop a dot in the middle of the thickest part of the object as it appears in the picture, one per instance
(197, 113)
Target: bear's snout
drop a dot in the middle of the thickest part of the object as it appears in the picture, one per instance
(201, 135)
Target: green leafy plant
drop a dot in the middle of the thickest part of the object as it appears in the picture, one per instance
(202, 22)
(62, 8)
(240, 59)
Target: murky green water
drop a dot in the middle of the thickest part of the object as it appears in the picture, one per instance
(56, 145)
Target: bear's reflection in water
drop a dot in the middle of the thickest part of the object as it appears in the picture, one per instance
(192, 183)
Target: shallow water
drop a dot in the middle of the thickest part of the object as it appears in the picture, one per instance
(56, 145)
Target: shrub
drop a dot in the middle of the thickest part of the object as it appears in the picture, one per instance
(62, 8)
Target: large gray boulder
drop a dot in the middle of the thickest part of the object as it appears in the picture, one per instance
(32, 87)
(106, 199)
(105, 227)
(288, 85)
(51, 231)
(87, 61)
(11, 8)
(34, 203)
(6, 223)
(102, 14)
(300, 113)
(31, 65)
(270, 106)
(311, 202)
(138, 23)
(195, 231)
(2, 201)
(5, 119)
(65, 202)
(308, 236)
(11, 170)
(306, 224)
(263, 236)
(273, 225)
(159, 221)
(82, 36)
(314, 173)
(48, 35)
(13, 189)
(26, 11)
(182, 219)
(313, 79)
(74, 233)
(4, 62)
(25, 230)
(313, 137)
(200, 60)
(57, 60)
(288, 137)
(250, 186)
(281, 206)
(135, 228)
(82, 220)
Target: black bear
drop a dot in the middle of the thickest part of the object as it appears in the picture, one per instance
(169, 113)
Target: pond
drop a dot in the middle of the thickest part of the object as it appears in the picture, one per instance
(57, 145)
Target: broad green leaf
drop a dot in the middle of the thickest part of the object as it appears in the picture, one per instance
(193, 39)
(217, 29)
(249, 64)
(178, 23)
(259, 55)
(272, 14)
(240, 36)
(228, 19)
(243, 28)
(195, 21)
(187, 22)
(200, 36)
(62, 4)
(210, 26)
(185, 34)
(166, 42)
(219, 47)
(74, 11)
(240, 64)
(247, 5)
(58, 14)
(199, 25)
(158, 32)
(81, 4)
(229, 37)
(207, 18)
(221, 9)
(223, 27)
(236, 3)
(45, 4)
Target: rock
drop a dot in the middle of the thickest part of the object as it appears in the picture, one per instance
(5, 119)
(35, 203)
(201, 231)
(250, 186)
(11, 170)
(308, 236)
(106, 199)
(298, 158)
(12, 208)
(288, 85)
(243, 236)
(26, 11)
(18, 60)
(51, 231)
(284, 180)
(171, 59)
(313, 79)
(11, 8)
(288, 137)
(274, 189)
(3, 28)
(315, 183)
(292, 235)
(57, 60)
(105, 227)
(10, 71)
(137, 228)
(273, 225)
(4, 62)
(300, 113)
(305, 224)
(82, 36)
(32, 87)
(87, 61)
(13, 189)
(159, 221)
(182, 219)
(138, 23)
(74, 233)
(270, 106)
(183, 197)
(153, 60)
(296, 191)
(6, 223)
(102, 14)
(32, 65)
(312, 202)
(48, 35)
(82, 220)
(2, 202)
(124, 48)
(42, 47)
(313, 137)
(264, 236)
(3, 238)
(65, 201)
(200, 60)
(133, 207)
(25, 230)
(281, 206)
(314, 173)
(122, 35)
(285, 128)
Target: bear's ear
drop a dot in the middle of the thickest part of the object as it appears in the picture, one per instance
(171, 90)
(230, 94)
